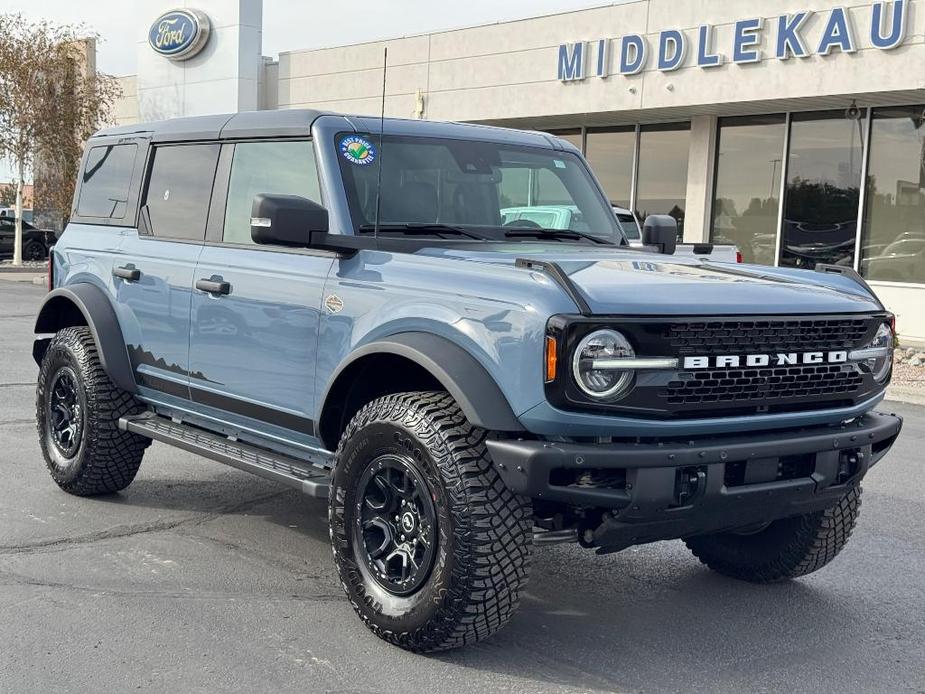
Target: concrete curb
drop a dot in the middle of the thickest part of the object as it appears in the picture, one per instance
(10, 269)
(32, 277)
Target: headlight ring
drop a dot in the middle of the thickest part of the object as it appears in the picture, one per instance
(602, 384)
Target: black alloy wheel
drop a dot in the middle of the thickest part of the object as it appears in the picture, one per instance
(395, 524)
(65, 412)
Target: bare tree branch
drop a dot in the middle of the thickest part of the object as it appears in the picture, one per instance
(53, 100)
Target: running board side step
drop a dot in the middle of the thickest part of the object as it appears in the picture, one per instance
(312, 479)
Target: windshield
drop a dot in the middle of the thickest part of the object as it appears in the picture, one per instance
(479, 189)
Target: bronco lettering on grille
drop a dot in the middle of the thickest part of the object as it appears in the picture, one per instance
(780, 359)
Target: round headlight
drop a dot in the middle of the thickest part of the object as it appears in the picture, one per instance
(881, 364)
(601, 383)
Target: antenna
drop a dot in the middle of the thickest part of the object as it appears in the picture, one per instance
(385, 64)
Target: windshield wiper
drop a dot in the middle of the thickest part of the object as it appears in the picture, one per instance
(540, 233)
(421, 228)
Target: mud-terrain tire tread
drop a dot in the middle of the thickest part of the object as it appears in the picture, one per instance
(802, 545)
(108, 458)
(493, 526)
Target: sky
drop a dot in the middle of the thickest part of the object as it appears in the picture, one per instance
(289, 24)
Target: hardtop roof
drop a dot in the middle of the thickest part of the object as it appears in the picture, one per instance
(295, 122)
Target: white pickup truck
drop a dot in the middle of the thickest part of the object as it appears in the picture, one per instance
(629, 223)
(568, 217)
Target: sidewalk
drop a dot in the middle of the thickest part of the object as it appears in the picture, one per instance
(27, 275)
(30, 271)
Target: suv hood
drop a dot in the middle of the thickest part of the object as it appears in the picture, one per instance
(618, 281)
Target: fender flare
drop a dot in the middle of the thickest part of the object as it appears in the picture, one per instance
(470, 384)
(99, 315)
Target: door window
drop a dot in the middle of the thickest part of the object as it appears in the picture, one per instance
(281, 168)
(179, 190)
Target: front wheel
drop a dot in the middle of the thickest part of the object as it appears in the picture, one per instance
(432, 548)
(786, 548)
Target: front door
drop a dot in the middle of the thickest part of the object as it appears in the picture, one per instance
(153, 271)
(255, 327)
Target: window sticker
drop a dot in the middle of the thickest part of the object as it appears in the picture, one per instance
(559, 163)
(358, 150)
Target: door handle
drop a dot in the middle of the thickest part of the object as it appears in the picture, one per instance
(213, 285)
(129, 273)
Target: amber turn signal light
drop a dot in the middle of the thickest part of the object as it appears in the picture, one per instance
(552, 358)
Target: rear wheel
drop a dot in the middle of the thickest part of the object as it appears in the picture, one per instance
(432, 548)
(34, 250)
(77, 412)
(786, 548)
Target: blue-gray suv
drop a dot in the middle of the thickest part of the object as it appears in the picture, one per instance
(441, 329)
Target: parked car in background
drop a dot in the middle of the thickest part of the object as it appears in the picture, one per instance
(35, 242)
(27, 214)
(632, 230)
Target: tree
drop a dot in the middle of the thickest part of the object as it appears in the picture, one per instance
(53, 100)
(7, 196)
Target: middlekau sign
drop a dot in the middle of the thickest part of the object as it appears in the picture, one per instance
(887, 30)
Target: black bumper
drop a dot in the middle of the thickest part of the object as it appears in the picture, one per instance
(662, 490)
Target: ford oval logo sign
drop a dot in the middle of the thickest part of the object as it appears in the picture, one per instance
(179, 34)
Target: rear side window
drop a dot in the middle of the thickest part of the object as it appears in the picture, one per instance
(281, 168)
(105, 183)
(179, 190)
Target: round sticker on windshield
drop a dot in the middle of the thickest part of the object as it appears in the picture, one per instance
(358, 150)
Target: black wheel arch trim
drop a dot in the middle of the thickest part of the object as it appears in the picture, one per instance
(472, 387)
(100, 317)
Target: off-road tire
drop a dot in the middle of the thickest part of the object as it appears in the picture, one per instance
(786, 549)
(107, 458)
(485, 530)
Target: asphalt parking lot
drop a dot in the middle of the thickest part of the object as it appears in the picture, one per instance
(200, 578)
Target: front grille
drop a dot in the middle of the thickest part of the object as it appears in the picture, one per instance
(777, 383)
(764, 336)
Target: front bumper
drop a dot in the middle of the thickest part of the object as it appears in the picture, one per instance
(668, 489)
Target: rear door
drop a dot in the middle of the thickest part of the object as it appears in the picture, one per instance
(253, 349)
(154, 270)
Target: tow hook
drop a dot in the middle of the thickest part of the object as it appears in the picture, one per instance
(690, 484)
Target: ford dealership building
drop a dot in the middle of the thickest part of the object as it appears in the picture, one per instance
(792, 128)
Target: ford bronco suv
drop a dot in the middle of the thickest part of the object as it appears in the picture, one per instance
(348, 305)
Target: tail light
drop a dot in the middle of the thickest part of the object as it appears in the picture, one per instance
(738, 256)
(51, 268)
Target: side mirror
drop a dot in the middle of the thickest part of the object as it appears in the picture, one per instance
(661, 231)
(286, 220)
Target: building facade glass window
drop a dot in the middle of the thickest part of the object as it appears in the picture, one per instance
(611, 153)
(661, 181)
(746, 200)
(893, 235)
(823, 189)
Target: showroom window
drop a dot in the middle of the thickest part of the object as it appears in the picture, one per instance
(746, 201)
(611, 153)
(893, 235)
(823, 189)
(661, 181)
